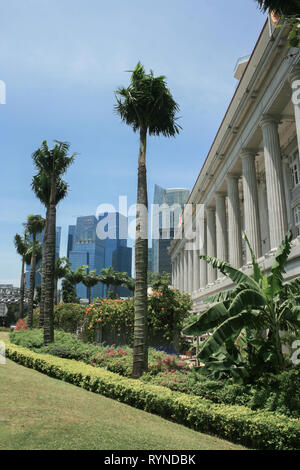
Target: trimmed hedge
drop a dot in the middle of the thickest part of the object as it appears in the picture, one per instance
(258, 430)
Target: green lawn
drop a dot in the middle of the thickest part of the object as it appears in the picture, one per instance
(39, 412)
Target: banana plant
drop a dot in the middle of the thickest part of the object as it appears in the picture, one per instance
(245, 323)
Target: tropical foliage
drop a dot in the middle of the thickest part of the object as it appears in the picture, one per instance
(148, 107)
(288, 12)
(246, 322)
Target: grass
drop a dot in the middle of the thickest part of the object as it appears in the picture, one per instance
(39, 412)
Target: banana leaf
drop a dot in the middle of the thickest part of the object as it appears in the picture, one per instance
(234, 274)
(207, 321)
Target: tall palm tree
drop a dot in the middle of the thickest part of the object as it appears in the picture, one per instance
(41, 186)
(22, 245)
(53, 163)
(90, 280)
(62, 266)
(35, 224)
(149, 108)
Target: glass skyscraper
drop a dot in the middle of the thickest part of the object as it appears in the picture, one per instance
(85, 248)
(168, 204)
(114, 226)
(99, 243)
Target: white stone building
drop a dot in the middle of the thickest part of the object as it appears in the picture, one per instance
(250, 180)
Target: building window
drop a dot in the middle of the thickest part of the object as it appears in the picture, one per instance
(297, 219)
(295, 168)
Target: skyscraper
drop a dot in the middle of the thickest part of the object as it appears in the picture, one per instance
(100, 244)
(168, 204)
(113, 227)
(40, 238)
(85, 248)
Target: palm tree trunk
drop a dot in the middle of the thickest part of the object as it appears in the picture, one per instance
(22, 290)
(49, 269)
(140, 347)
(56, 292)
(31, 290)
(42, 302)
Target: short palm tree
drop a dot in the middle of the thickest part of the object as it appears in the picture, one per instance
(42, 188)
(61, 269)
(90, 280)
(149, 108)
(129, 283)
(107, 277)
(22, 246)
(247, 321)
(71, 279)
(53, 163)
(35, 224)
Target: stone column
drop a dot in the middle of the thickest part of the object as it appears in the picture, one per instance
(288, 187)
(274, 180)
(174, 266)
(173, 273)
(234, 221)
(196, 270)
(203, 251)
(251, 210)
(295, 84)
(211, 242)
(186, 270)
(180, 270)
(191, 273)
(221, 227)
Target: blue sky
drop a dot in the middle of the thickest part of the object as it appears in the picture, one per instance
(61, 61)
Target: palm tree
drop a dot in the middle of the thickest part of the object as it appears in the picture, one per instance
(61, 269)
(90, 280)
(247, 321)
(107, 277)
(22, 246)
(280, 7)
(42, 188)
(129, 283)
(148, 107)
(34, 225)
(70, 280)
(53, 163)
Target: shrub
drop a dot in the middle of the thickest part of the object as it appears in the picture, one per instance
(259, 430)
(167, 309)
(69, 317)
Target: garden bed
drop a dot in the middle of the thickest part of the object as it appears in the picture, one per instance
(259, 430)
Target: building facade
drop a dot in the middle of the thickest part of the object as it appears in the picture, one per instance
(250, 180)
(167, 207)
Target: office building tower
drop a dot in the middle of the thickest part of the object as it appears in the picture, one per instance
(85, 248)
(168, 205)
